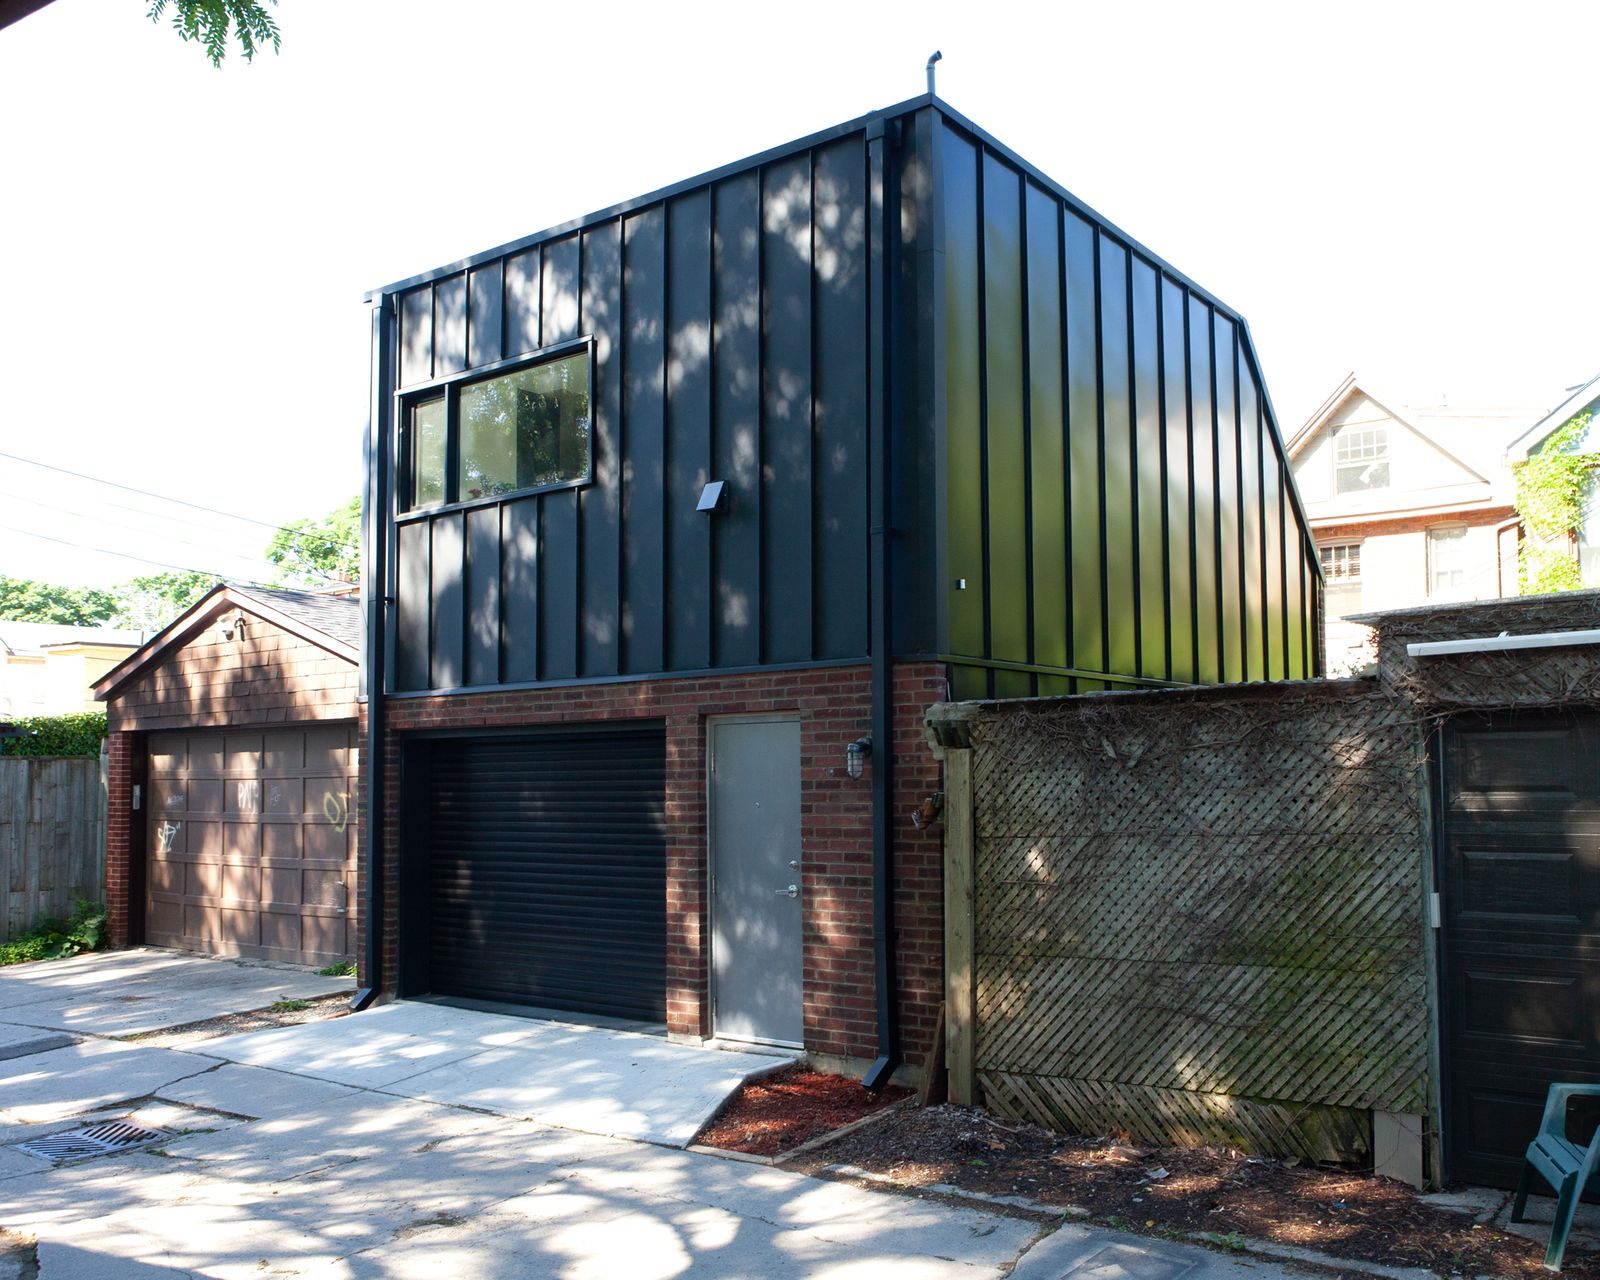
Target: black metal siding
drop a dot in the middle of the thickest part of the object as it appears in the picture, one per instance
(730, 329)
(1117, 503)
(1080, 438)
(542, 866)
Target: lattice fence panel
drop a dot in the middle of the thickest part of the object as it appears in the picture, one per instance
(1180, 1117)
(1204, 908)
(1521, 678)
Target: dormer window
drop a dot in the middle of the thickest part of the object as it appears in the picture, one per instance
(519, 431)
(1361, 459)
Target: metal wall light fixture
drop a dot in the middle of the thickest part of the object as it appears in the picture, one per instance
(856, 756)
(713, 496)
(233, 628)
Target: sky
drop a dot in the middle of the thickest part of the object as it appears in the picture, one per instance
(1405, 190)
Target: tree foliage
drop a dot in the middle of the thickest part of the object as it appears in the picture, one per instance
(26, 600)
(142, 604)
(314, 552)
(1553, 487)
(209, 22)
(150, 602)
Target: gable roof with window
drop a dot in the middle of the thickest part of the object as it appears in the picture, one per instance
(1364, 456)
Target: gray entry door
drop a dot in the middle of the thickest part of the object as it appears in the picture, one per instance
(755, 880)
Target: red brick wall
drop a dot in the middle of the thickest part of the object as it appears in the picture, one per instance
(269, 676)
(120, 752)
(1355, 529)
(834, 705)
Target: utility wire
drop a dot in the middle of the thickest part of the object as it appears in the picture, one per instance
(123, 524)
(107, 551)
(161, 497)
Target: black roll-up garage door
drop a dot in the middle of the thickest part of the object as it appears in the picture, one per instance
(545, 876)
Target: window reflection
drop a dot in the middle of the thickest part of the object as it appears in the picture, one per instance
(428, 453)
(525, 430)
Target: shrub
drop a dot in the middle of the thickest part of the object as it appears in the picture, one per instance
(77, 734)
(54, 939)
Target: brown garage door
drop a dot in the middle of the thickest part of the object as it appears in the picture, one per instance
(250, 848)
(1521, 889)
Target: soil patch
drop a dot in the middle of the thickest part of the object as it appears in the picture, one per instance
(317, 1009)
(1227, 1196)
(777, 1113)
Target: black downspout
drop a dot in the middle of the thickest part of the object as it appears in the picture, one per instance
(883, 237)
(373, 588)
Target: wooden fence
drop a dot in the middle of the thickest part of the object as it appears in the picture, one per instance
(1193, 916)
(52, 837)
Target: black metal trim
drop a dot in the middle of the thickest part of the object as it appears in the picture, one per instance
(883, 267)
(379, 620)
(980, 252)
(1100, 447)
(1044, 669)
(632, 677)
(1241, 521)
(407, 399)
(1136, 541)
(1194, 551)
(1025, 303)
(1434, 752)
(543, 728)
(1166, 476)
(1069, 560)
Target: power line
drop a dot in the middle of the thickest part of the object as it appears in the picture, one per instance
(125, 555)
(122, 524)
(162, 497)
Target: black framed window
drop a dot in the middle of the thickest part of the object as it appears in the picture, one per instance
(515, 431)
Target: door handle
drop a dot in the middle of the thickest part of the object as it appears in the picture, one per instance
(793, 891)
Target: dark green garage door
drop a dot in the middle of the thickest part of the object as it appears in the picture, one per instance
(544, 876)
(1521, 889)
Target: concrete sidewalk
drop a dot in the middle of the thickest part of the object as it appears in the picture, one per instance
(121, 993)
(332, 1182)
(614, 1083)
(398, 1143)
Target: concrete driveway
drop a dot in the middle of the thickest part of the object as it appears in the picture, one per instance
(124, 992)
(412, 1155)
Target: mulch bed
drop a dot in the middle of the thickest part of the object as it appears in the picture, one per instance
(1181, 1192)
(318, 1009)
(777, 1113)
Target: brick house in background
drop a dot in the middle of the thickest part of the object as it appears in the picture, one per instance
(231, 806)
(679, 515)
(1409, 506)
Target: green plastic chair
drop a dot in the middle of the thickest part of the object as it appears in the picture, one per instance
(1568, 1168)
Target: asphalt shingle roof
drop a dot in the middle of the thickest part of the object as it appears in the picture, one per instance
(337, 617)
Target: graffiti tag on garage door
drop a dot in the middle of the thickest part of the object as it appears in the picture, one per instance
(336, 808)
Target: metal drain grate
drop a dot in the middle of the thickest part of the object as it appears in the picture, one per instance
(97, 1140)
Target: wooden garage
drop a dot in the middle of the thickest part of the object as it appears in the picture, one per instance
(233, 768)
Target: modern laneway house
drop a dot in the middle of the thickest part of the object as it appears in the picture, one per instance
(680, 514)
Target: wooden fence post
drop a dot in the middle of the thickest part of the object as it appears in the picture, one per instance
(960, 1031)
